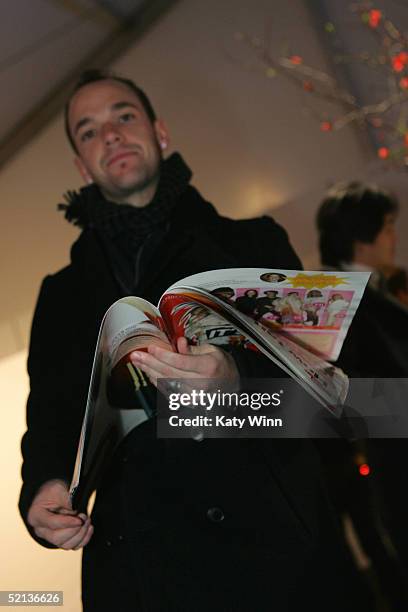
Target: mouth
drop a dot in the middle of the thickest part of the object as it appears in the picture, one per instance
(118, 157)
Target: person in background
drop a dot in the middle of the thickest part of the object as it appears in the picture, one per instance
(356, 226)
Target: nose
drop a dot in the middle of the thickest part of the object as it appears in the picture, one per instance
(111, 134)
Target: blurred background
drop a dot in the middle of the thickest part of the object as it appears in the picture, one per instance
(257, 97)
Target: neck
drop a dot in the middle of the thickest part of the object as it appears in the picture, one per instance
(357, 266)
(139, 198)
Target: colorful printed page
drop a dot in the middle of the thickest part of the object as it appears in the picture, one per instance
(225, 324)
(314, 307)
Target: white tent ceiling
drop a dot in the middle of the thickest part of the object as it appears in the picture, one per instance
(44, 44)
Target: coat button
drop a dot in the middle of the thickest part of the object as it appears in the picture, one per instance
(216, 515)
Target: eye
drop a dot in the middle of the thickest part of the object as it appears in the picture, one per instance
(87, 135)
(126, 117)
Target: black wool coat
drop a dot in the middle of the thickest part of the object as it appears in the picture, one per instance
(183, 526)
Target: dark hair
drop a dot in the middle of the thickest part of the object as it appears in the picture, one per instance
(93, 76)
(281, 277)
(222, 290)
(314, 293)
(398, 281)
(350, 213)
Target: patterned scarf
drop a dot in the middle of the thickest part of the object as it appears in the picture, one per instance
(89, 209)
(125, 231)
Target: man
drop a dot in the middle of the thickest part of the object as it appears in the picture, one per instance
(356, 225)
(178, 525)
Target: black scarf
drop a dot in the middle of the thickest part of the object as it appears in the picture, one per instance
(89, 209)
(123, 229)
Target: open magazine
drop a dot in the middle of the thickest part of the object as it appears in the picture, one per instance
(298, 319)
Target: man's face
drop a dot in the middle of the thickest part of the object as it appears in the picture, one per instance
(381, 252)
(118, 146)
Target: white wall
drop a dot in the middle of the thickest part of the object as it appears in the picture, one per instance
(25, 565)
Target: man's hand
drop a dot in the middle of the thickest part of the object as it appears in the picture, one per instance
(53, 519)
(190, 363)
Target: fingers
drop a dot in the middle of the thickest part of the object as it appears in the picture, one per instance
(185, 349)
(68, 539)
(54, 520)
(159, 363)
(183, 346)
(153, 367)
(205, 361)
(71, 538)
(86, 539)
(80, 538)
(48, 519)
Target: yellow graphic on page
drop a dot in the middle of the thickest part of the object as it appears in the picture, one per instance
(310, 281)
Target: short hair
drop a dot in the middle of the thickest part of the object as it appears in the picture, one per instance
(93, 76)
(351, 212)
(314, 293)
(397, 281)
(222, 290)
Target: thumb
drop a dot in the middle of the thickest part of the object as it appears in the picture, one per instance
(182, 346)
(185, 349)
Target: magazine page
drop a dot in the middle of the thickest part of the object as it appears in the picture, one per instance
(116, 387)
(314, 307)
(199, 321)
(217, 322)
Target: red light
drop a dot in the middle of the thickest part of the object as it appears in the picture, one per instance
(374, 18)
(404, 83)
(399, 61)
(308, 86)
(383, 152)
(364, 469)
(326, 126)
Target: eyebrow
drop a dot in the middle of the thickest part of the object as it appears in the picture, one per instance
(115, 107)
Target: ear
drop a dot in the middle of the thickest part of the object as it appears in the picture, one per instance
(162, 134)
(83, 171)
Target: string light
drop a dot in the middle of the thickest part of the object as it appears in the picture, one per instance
(326, 126)
(383, 152)
(390, 57)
